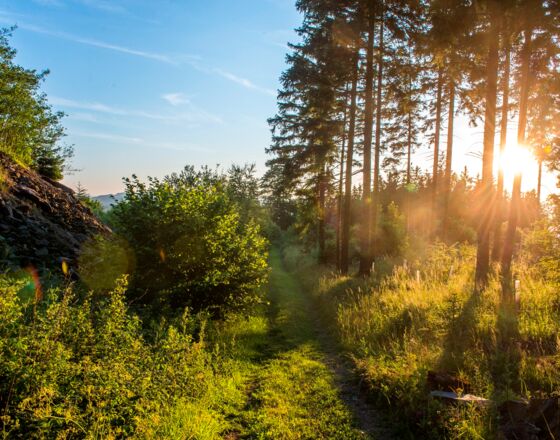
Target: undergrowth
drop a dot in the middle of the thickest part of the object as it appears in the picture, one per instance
(77, 364)
(398, 327)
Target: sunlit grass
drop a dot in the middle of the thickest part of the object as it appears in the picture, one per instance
(399, 328)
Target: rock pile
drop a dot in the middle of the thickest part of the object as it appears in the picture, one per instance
(42, 223)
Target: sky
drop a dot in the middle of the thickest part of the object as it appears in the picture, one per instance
(152, 86)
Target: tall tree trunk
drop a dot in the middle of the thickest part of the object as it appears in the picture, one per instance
(346, 216)
(341, 185)
(483, 249)
(377, 164)
(500, 201)
(509, 239)
(321, 237)
(448, 160)
(365, 230)
(409, 148)
(408, 193)
(539, 181)
(435, 168)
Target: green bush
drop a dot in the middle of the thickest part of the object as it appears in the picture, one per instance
(192, 242)
(78, 366)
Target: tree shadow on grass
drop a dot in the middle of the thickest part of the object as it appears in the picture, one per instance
(461, 337)
(496, 350)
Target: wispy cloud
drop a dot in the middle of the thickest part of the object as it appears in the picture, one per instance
(193, 115)
(243, 81)
(175, 99)
(279, 38)
(56, 3)
(102, 5)
(192, 60)
(109, 137)
(80, 116)
(175, 146)
(96, 43)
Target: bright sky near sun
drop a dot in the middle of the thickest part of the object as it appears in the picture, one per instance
(151, 86)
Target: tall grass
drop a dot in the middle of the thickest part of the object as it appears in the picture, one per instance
(399, 327)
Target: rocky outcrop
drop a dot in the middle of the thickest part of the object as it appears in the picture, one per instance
(42, 223)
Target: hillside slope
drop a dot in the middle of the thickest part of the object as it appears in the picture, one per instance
(41, 221)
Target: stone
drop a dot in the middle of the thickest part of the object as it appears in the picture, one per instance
(41, 219)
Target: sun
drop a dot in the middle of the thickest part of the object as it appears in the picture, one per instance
(516, 159)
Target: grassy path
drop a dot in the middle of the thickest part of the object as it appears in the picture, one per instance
(291, 389)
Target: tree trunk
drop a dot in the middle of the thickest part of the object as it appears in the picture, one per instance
(365, 231)
(377, 164)
(346, 216)
(409, 148)
(408, 171)
(321, 237)
(435, 170)
(483, 249)
(509, 239)
(341, 185)
(539, 182)
(448, 160)
(500, 202)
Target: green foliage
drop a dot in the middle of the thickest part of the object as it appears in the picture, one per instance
(398, 328)
(94, 205)
(540, 249)
(78, 366)
(30, 130)
(81, 365)
(193, 243)
(393, 239)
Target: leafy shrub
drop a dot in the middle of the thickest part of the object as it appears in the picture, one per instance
(191, 245)
(78, 365)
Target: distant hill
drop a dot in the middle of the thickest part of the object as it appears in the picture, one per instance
(109, 199)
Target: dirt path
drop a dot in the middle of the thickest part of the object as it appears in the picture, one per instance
(298, 389)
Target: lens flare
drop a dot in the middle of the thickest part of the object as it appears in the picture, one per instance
(65, 268)
(103, 261)
(516, 159)
(36, 283)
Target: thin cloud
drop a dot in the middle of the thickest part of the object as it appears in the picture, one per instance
(175, 146)
(279, 38)
(104, 6)
(243, 82)
(163, 58)
(101, 5)
(87, 117)
(56, 3)
(194, 115)
(175, 99)
(109, 137)
(191, 60)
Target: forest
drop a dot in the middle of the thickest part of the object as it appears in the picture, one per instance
(366, 284)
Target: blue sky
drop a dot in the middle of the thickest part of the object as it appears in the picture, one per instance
(150, 86)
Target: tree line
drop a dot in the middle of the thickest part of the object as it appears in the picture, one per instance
(372, 82)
